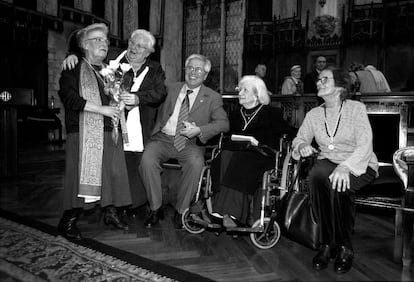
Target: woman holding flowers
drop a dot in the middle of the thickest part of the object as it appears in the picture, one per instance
(143, 92)
(95, 165)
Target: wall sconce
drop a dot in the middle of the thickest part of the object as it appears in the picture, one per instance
(322, 3)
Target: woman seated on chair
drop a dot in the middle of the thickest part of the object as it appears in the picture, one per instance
(237, 171)
(346, 163)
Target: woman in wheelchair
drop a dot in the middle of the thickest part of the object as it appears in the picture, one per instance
(237, 171)
(346, 163)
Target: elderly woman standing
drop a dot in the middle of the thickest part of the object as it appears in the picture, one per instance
(346, 163)
(237, 172)
(292, 83)
(145, 92)
(95, 165)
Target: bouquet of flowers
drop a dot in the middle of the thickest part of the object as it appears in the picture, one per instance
(113, 75)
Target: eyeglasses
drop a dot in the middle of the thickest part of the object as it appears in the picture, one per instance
(132, 44)
(240, 89)
(99, 39)
(323, 79)
(197, 70)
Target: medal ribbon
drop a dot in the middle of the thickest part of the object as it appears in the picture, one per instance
(338, 120)
(246, 120)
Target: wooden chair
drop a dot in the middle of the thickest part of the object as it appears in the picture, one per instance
(19, 97)
(403, 161)
(32, 120)
(44, 120)
(389, 125)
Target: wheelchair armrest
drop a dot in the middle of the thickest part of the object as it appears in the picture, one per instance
(311, 157)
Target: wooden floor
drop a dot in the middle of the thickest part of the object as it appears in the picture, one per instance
(37, 192)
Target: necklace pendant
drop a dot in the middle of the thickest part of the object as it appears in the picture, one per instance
(331, 147)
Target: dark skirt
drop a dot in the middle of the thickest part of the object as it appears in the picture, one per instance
(115, 184)
(138, 192)
(236, 176)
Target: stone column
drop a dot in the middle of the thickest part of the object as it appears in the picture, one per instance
(200, 25)
(84, 5)
(222, 43)
(130, 17)
(111, 14)
(49, 7)
(171, 52)
(156, 20)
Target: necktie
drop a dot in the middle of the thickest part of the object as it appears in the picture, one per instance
(180, 140)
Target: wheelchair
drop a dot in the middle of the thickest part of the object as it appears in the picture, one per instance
(265, 231)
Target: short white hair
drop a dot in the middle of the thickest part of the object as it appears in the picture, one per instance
(83, 33)
(149, 38)
(207, 62)
(258, 86)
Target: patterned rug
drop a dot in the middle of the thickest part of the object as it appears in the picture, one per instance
(28, 254)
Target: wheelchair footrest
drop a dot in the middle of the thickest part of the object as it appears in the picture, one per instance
(195, 218)
(246, 229)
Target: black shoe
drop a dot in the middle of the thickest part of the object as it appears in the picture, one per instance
(178, 223)
(153, 218)
(131, 212)
(322, 258)
(111, 218)
(67, 224)
(343, 262)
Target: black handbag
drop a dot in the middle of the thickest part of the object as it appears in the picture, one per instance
(296, 215)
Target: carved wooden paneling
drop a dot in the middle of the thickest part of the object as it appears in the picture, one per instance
(289, 34)
(366, 23)
(392, 21)
(16, 17)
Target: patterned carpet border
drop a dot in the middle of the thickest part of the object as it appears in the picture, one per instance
(33, 251)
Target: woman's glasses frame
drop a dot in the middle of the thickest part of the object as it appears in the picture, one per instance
(323, 79)
(240, 89)
(98, 39)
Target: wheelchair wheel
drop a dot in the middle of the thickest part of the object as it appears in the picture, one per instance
(267, 239)
(189, 225)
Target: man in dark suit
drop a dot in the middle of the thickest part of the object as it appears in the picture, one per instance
(191, 112)
(311, 77)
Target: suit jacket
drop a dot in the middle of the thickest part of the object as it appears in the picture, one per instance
(310, 82)
(207, 112)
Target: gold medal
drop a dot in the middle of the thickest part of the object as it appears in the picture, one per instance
(331, 147)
